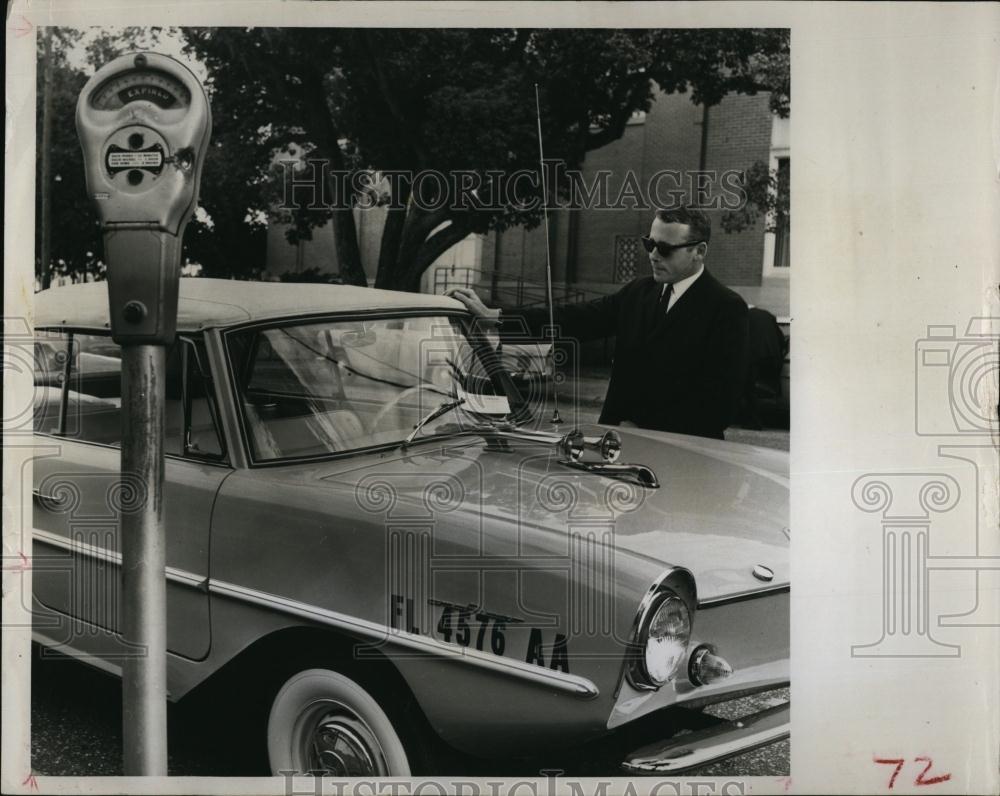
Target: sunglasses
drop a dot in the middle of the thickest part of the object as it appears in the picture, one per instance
(665, 249)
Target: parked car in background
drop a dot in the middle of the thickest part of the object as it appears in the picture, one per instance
(369, 528)
(766, 392)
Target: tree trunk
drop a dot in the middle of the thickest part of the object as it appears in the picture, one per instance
(345, 232)
(430, 250)
(417, 228)
(345, 238)
(392, 237)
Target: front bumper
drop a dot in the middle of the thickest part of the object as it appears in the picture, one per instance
(708, 745)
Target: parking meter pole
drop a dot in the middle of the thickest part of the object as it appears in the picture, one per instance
(144, 123)
(143, 547)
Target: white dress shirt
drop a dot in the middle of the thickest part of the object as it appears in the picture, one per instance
(681, 285)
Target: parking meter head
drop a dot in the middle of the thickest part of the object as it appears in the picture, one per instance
(144, 122)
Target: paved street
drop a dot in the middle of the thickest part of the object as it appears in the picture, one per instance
(76, 731)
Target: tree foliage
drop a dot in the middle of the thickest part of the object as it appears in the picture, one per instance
(406, 100)
(228, 234)
(449, 100)
(74, 236)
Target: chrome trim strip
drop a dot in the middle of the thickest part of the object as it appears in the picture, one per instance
(702, 696)
(741, 596)
(641, 472)
(712, 744)
(568, 683)
(77, 654)
(174, 457)
(572, 684)
(90, 658)
(174, 574)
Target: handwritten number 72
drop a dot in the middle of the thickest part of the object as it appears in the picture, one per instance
(922, 778)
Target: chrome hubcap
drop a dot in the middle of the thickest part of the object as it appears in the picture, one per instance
(336, 742)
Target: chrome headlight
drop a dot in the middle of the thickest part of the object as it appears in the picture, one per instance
(661, 641)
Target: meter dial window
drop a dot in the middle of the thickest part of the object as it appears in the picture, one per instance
(147, 85)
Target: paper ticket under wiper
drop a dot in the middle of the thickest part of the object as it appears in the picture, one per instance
(485, 404)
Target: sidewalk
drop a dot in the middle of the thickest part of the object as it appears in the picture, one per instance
(590, 386)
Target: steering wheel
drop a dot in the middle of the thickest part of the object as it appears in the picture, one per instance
(394, 402)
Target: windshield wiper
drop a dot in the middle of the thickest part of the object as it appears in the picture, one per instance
(434, 415)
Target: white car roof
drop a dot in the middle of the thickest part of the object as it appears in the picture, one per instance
(205, 303)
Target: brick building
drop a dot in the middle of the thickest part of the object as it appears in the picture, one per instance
(595, 250)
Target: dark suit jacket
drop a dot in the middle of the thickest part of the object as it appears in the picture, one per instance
(682, 371)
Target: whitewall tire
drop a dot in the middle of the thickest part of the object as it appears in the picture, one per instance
(324, 722)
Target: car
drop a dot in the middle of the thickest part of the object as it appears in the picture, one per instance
(373, 533)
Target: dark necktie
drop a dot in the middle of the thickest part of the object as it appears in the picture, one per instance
(660, 311)
(664, 302)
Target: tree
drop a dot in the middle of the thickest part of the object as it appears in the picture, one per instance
(456, 100)
(68, 237)
(411, 101)
(227, 235)
(768, 196)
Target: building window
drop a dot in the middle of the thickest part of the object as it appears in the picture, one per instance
(782, 234)
(777, 259)
(626, 257)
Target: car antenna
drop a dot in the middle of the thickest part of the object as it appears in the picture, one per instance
(548, 266)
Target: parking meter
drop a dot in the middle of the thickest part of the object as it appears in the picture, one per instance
(144, 124)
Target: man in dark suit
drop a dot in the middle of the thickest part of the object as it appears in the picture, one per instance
(681, 337)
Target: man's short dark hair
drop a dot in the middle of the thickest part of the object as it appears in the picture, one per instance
(701, 227)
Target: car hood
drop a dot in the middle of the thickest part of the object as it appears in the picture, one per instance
(720, 511)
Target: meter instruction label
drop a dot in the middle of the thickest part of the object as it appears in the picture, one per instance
(119, 159)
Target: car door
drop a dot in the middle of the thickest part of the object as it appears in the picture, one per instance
(79, 492)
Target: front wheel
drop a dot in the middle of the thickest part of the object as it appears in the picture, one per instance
(322, 722)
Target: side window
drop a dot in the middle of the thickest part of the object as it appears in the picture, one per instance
(78, 387)
(78, 393)
(52, 374)
(190, 416)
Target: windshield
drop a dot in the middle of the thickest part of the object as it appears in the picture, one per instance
(333, 386)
